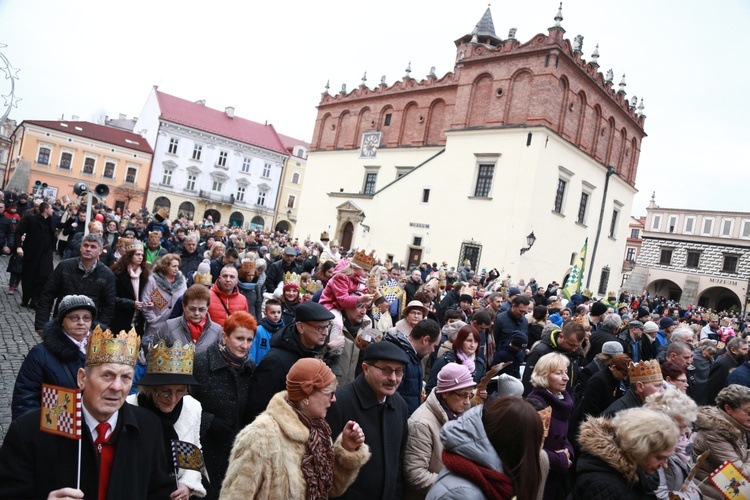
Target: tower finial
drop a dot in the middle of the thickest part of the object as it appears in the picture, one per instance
(364, 79)
(641, 107)
(622, 84)
(328, 85)
(595, 55)
(559, 17)
(408, 71)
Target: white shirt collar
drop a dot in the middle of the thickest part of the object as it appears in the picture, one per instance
(82, 344)
(91, 422)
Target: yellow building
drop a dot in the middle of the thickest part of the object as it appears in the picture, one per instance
(291, 183)
(49, 157)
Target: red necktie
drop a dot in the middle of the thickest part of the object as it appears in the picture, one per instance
(106, 457)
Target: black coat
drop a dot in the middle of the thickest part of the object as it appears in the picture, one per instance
(34, 463)
(125, 303)
(597, 480)
(385, 428)
(189, 262)
(270, 376)
(38, 247)
(7, 229)
(628, 400)
(598, 339)
(276, 271)
(55, 361)
(69, 279)
(223, 394)
(717, 377)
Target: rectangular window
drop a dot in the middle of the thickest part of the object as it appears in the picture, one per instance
(290, 201)
(635, 233)
(240, 194)
(166, 179)
(172, 148)
(727, 225)
(708, 227)
(689, 225)
(246, 165)
(109, 170)
(222, 159)
(730, 264)
(266, 170)
(417, 241)
(130, 175)
(560, 195)
(88, 166)
(425, 196)
(484, 181)
(613, 223)
(217, 185)
(370, 180)
(582, 208)
(655, 222)
(261, 198)
(197, 150)
(387, 120)
(665, 258)
(603, 281)
(295, 178)
(630, 255)
(65, 160)
(672, 224)
(43, 156)
(745, 229)
(191, 182)
(693, 260)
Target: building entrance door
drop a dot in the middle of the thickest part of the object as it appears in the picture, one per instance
(346, 236)
(415, 257)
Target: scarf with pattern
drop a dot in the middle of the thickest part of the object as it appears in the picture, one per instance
(317, 462)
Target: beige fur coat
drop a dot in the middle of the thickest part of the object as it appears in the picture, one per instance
(266, 458)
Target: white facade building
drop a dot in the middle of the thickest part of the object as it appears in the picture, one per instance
(211, 162)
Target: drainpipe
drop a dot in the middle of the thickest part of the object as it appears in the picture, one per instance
(610, 171)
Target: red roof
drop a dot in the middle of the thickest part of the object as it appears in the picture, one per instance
(290, 142)
(198, 116)
(116, 137)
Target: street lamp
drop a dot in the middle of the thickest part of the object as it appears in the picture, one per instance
(289, 215)
(530, 239)
(361, 218)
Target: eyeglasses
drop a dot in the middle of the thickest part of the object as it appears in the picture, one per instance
(464, 395)
(201, 310)
(321, 328)
(168, 393)
(86, 318)
(388, 371)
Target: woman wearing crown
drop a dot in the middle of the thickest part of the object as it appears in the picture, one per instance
(290, 297)
(164, 392)
(131, 276)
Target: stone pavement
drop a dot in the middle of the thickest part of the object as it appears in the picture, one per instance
(17, 336)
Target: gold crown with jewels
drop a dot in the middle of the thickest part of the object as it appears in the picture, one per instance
(363, 260)
(292, 279)
(104, 347)
(645, 372)
(175, 360)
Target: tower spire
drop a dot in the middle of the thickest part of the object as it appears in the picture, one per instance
(559, 17)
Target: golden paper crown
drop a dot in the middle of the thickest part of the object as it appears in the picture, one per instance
(373, 282)
(175, 360)
(313, 287)
(219, 233)
(292, 279)
(645, 372)
(587, 293)
(363, 260)
(248, 265)
(133, 245)
(104, 347)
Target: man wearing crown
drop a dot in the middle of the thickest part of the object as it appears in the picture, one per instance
(122, 451)
(645, 379)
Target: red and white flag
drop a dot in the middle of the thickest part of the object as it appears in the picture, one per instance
(61, 411)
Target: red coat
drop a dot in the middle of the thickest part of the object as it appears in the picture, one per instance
(222, 305)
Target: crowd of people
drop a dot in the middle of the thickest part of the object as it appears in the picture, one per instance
(302, 370)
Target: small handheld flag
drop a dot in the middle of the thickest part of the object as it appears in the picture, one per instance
(188, 456)
(730, 482)
(573, 284)
(61, 411)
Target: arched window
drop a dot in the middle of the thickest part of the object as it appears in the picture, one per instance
(236, 219)
(257, 222)
(186, 210)
(162, 202)
(295, 178)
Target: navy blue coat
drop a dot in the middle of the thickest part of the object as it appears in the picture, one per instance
(55, 361)
(506, 324)
(740, 375)
(411, 385)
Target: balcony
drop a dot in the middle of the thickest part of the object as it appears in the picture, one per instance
(216, 197)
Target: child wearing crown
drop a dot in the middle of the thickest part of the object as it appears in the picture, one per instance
(346, 289)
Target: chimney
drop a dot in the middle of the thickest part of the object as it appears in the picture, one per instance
(230, 111)
(122, 116)
(74, 118)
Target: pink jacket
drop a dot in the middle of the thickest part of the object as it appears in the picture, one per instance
(337, 293)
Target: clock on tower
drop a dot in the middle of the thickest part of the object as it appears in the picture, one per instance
(370, 143)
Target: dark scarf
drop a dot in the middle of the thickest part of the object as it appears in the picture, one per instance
(164, 283)
(451, 414)
(231, 360)
(167, 420)
(493, 484)
(317, 462)
(272, 327)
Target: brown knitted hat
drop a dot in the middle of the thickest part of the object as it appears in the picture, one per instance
(307, 375)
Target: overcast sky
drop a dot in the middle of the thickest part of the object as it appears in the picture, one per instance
(271, 60)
